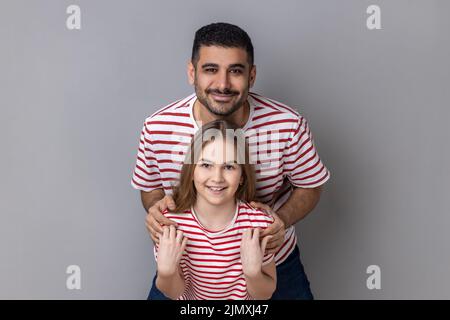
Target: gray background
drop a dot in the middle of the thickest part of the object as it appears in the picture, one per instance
(73, 103)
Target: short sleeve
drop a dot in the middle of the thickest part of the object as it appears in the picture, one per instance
(302, 165)
(146, 175)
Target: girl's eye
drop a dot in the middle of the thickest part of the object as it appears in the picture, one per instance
(229, 167)
(204, 165)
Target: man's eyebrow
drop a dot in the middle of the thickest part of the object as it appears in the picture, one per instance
(215, 65)
(237, 65)
(210, 65)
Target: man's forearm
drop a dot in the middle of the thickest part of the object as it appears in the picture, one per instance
(301, 202)
(150, 198)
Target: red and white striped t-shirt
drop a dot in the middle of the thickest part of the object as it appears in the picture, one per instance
(279, 137)
(211, 263)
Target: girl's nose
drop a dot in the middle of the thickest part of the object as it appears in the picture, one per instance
(218, 174)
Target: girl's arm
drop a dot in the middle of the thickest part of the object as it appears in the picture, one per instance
(260, 279)
(262, 285)
(170, 279)
(171, 286)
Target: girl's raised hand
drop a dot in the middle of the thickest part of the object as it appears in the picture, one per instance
(252, 252)
(171, 246)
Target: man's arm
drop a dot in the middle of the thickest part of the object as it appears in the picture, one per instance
(155, 202)
(150, 198)
(301, 202)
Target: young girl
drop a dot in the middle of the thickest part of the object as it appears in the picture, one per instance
(216, 253)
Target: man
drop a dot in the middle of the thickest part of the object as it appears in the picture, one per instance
(289, 172)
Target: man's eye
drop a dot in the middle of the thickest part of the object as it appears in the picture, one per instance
(237, 71)
(210, 70)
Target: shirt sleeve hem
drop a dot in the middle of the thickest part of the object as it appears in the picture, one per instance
(313, 185)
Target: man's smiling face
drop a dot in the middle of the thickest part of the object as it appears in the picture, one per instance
(222, 78)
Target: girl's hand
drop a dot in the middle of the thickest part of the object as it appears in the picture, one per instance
(252, 252)
(171, 246)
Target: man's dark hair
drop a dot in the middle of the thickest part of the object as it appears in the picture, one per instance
(223, 35)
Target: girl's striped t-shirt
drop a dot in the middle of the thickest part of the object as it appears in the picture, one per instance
(211, 263)
(281, 147)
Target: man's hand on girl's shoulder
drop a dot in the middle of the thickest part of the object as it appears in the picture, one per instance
(277, 229)
(155, 218)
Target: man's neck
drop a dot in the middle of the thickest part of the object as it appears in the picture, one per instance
(239, 117)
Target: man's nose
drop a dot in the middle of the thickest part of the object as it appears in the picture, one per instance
(223, 81)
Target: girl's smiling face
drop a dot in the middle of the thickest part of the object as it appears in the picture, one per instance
(217, 175)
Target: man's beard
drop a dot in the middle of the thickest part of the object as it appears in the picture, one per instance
(202, 96)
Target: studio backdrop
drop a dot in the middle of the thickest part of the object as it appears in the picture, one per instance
(78, 78)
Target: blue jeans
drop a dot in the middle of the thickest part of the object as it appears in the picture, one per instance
(292, 282)
(155, 294)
